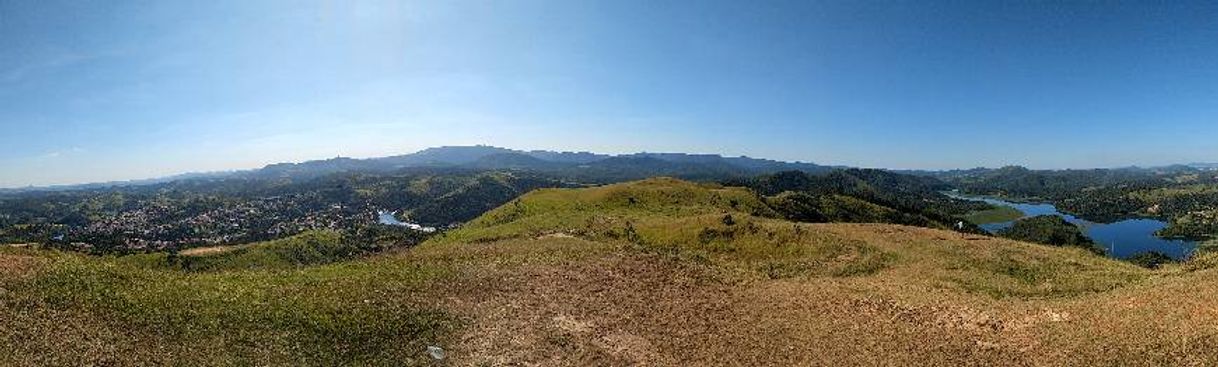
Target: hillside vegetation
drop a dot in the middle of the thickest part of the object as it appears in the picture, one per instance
(1050, 230)
(864, 196)
(654, 272)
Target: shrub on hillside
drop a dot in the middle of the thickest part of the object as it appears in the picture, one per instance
(1151, 259)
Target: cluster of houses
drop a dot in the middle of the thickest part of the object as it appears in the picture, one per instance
(157, 226)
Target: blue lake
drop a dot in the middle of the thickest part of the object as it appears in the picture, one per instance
(1121, 239)
(389, 218)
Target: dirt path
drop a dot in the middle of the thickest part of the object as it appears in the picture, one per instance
(201, 251)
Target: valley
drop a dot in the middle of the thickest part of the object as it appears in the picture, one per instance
(1183, 196)
(1121, 239)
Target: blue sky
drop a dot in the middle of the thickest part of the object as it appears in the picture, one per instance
(106, 90)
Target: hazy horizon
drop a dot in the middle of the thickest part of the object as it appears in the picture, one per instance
(526, 149)
(118, 90)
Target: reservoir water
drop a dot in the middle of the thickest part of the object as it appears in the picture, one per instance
(389, 218)
(1121, 239)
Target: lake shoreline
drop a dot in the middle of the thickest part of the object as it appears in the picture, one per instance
(1120, 239)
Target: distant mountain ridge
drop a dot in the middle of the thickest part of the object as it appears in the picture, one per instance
(586, 164)
(577, 164)
(595, 166)
(134, 182)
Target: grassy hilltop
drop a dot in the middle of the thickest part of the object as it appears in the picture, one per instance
(657, 272)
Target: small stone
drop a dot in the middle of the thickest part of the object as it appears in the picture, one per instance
(436, 352)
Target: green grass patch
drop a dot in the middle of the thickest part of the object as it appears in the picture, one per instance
(702, 224)
(353, 313)
(1012, 273)
(309, 248)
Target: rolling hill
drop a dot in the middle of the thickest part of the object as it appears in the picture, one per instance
(654, 272)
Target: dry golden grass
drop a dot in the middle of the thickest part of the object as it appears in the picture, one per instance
(614, 306)
(767, 292)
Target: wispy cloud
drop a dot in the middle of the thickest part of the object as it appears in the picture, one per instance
(64, 59)
(62, 153)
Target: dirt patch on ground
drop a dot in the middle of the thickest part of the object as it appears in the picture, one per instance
(12, 265)
(42, 335)
(616, 310)
(631, 308)
(202, 251)
(639, 310)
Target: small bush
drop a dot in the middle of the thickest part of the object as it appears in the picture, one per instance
(1151, 259)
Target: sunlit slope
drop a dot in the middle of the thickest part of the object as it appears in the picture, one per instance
(63, 309)
(655, 272)
(733, 231)
(670, 278)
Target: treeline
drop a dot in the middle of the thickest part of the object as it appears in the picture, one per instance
(863, 195)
